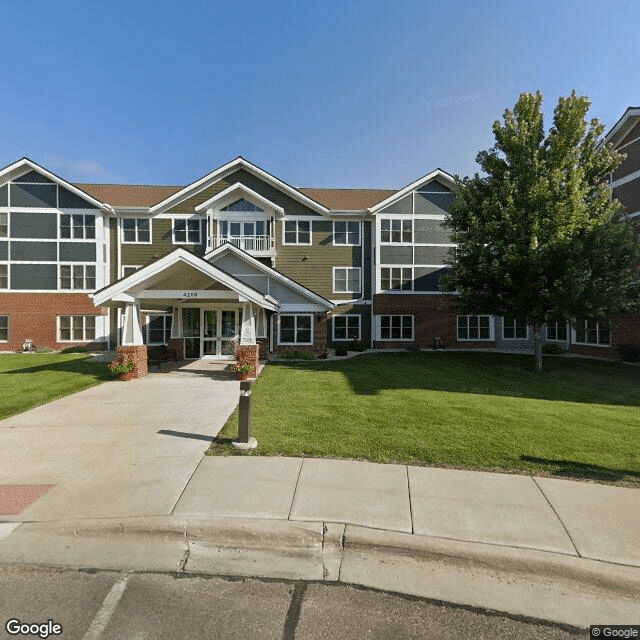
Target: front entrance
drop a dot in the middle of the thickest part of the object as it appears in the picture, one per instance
(210, 332)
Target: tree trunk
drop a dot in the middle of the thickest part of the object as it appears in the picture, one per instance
(537, 349)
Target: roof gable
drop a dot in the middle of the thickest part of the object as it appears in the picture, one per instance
(621, 128)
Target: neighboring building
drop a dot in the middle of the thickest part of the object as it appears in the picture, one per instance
(307, 268)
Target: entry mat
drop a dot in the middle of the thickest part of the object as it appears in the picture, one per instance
(15, 498)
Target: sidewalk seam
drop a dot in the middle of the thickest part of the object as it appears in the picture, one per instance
(406, 466)
(186, 485)
(295, 489)
(557, 515)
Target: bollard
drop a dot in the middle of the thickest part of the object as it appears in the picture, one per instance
(244, 440)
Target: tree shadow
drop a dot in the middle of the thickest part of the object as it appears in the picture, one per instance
(574, 469)
(78, 365)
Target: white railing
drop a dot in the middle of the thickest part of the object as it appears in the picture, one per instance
(251, 244)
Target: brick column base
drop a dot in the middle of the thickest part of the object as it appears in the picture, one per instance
(248, 354)
(137, 353)
(177, 344)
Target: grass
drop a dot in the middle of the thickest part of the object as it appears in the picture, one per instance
(580, 418)
(29, 380)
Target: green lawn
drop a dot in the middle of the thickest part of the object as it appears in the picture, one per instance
(28, 380)
(483, 410)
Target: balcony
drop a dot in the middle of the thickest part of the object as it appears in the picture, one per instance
(255, 245)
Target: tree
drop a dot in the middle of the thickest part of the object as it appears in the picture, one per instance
(538, 237)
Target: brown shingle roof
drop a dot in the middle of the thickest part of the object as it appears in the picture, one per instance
(138, 195)
(128, 195)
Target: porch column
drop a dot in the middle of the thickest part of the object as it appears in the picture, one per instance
(133, 347)
(247, 350)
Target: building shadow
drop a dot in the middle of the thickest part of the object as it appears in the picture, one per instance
(574, 469)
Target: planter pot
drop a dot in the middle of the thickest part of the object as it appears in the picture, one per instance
(243, 376)
(125, 377)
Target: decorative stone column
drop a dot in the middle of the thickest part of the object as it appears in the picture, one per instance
(248, 354)
(137, 353)
(132, 347)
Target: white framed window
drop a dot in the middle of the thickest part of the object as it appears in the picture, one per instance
(261, 323)
(592, 332)
(296, 232)
(346, 279)
(4, 224)
(128, 269)
(186, 231)
(396, 327)
(396, 231)
(4, 328)
(475, 328)
(396, 278)
(158, 328)
(78, 226)
(557, 331)
(77, 277)
(346, 233)
(514, 329)
(4, 276)
(76, 328)
(136, 230)
(295, 328)
(346, 327)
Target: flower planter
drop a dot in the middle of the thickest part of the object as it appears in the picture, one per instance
(243, 376)
(125, 377)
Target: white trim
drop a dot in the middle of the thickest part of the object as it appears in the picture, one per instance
(295, 329)
(401, 242)
(574, 339)
(276, 275)
(333, 279)
(230, 194)
(437, 173)
(176, 256)
(128, 266)
(628, 114)
(397, 266)
(396, 315)
(628, 178)
(626, 144)
(557, 325)
(149, 315)
(84, 266)
(635, 214)
(346, 315)
(515, 328)
(297, 232)
(122, 230)
(84, 327)
(186, 230)
(346, 233)
(225, 169)
(478, 339)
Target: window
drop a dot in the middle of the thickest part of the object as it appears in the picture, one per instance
(474, 328)
(77, 276)
(78, 226)
(513, 329)
(241, 205)
(4, 328)
(186, 231)
(557, 331)
(400, 231)
(396, 278)
(4, 276)
(396, 327)
(295, 329)
(158, 329)
(346, 279)
(128, 269)
(261, 323)
(3, 225)
(77, 328)
(297, 232)
(591, 332)
(346, 327)
(347, 233)
(136, 230)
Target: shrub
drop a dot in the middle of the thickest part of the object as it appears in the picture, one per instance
(358, 345)
(45, 350)
(297, 355)
(76, 349)
(342, 350)
(629, 352)
(551, 349)
(120, 366)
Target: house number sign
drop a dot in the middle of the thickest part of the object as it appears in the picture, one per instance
(190, 294)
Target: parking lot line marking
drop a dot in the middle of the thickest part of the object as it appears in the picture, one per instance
(107, 609)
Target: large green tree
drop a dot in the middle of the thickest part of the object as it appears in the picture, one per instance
(538, 236)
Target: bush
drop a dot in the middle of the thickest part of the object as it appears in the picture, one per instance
(629, 352)
(551, 349)
(44, 350)
(342, 350)
(297, 355)
(358, 345)
(75, 349)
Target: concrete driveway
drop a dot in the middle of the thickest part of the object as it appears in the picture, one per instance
(119, 449)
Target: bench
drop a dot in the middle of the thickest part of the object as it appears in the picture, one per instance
(160, 355)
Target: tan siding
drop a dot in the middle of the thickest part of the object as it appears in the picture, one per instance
(316, 273)
(189, 205)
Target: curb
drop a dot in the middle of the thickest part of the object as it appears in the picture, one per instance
(534, 584)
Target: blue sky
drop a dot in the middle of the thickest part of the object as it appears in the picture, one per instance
(323, 94)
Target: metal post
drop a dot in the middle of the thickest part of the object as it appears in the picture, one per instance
(244, 439)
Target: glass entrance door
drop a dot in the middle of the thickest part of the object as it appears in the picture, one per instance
(220, 332)
(191, 332)
(210, 332)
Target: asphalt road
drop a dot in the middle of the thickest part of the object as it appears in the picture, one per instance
(108, 605)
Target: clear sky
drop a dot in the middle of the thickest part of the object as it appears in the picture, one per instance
(356, 93)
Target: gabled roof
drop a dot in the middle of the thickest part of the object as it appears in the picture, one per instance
(129, 195)
(620, 129)
(25, 165)
(227, 247)
(348, 199)
(119, 287)
(239, 190)
(221, 172)
(441, 175)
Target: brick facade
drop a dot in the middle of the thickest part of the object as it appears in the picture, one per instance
(137, 353)
(35, 315)
(248, 354)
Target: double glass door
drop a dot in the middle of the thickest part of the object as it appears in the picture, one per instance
(210, 333)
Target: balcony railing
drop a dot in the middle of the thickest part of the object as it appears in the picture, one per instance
(250, 244)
